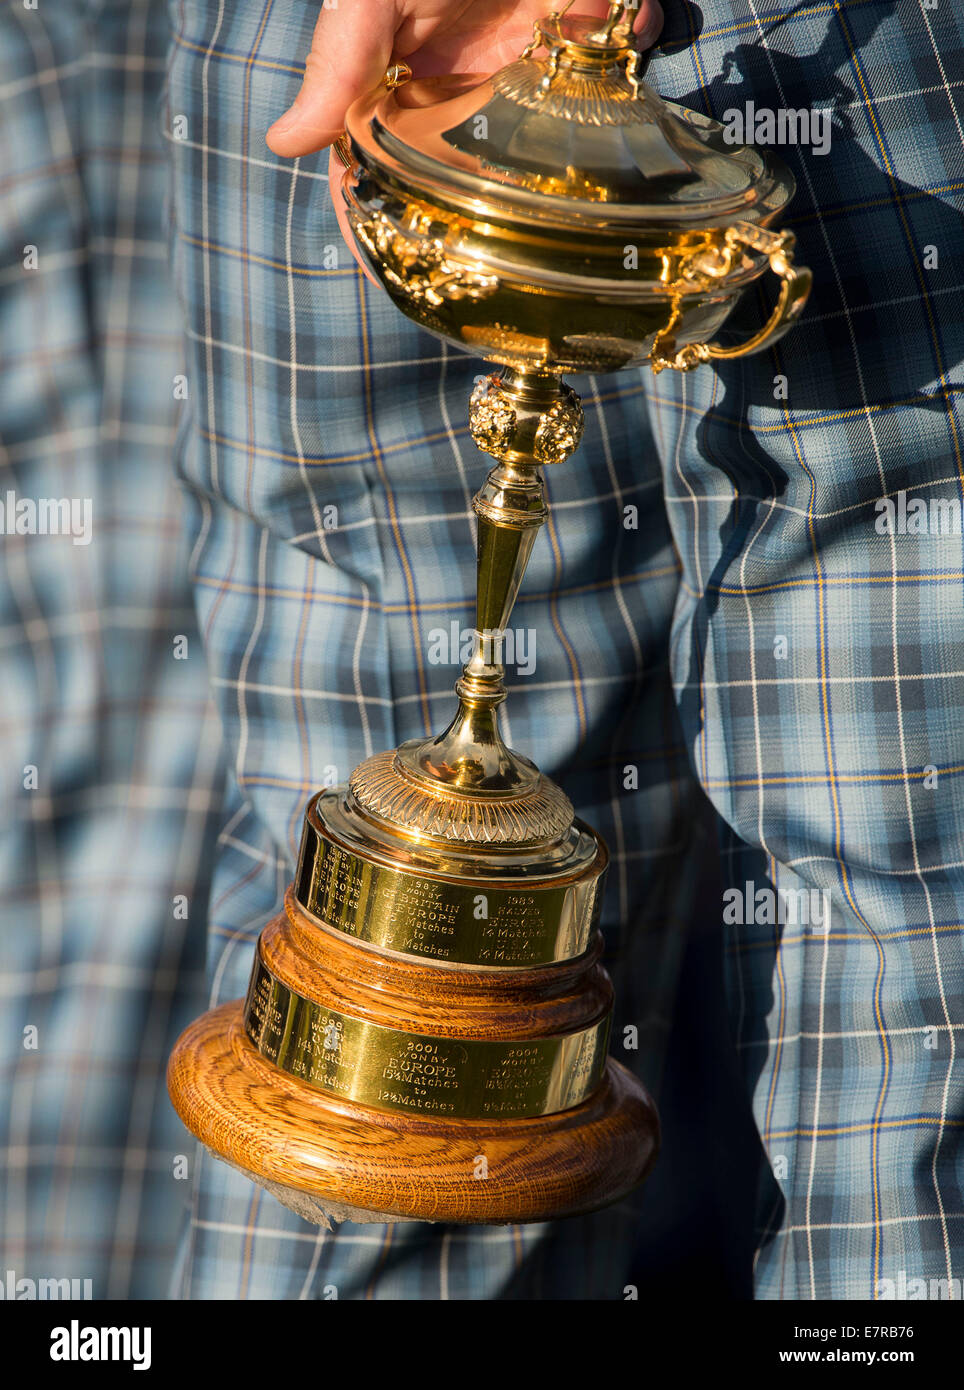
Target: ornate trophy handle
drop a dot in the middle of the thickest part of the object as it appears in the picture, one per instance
(710, 267)
(414, 262)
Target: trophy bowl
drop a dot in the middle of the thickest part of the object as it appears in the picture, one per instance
(560, 216)
(425, 1035)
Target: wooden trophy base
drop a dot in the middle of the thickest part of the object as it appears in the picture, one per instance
(325, 1157)
(329, 1155)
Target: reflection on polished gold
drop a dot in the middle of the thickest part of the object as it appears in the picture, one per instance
(571, 184)
(539, 907)
(416, 264)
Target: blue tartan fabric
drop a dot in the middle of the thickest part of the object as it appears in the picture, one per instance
(817, 659)
(759, 634)
(111, 781)
(815, 662)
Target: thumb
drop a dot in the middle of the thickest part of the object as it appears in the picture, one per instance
(349, 56)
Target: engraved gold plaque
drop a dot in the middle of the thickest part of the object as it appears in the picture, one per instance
(417, 1072)
(557, 216)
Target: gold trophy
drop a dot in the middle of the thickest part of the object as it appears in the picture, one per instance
(425, 1031)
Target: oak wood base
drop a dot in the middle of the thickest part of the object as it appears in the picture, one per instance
(330, 1156)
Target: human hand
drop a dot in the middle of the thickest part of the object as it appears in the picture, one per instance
(355, 43)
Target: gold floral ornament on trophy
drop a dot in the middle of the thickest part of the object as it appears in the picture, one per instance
(425, 1032)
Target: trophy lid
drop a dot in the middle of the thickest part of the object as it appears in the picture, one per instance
(567, 131)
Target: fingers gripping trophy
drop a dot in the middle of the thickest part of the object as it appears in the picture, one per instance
(556, 217)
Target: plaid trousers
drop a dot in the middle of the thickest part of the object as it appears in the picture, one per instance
(721, 608)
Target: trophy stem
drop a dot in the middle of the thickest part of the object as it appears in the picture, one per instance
(524, 419)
